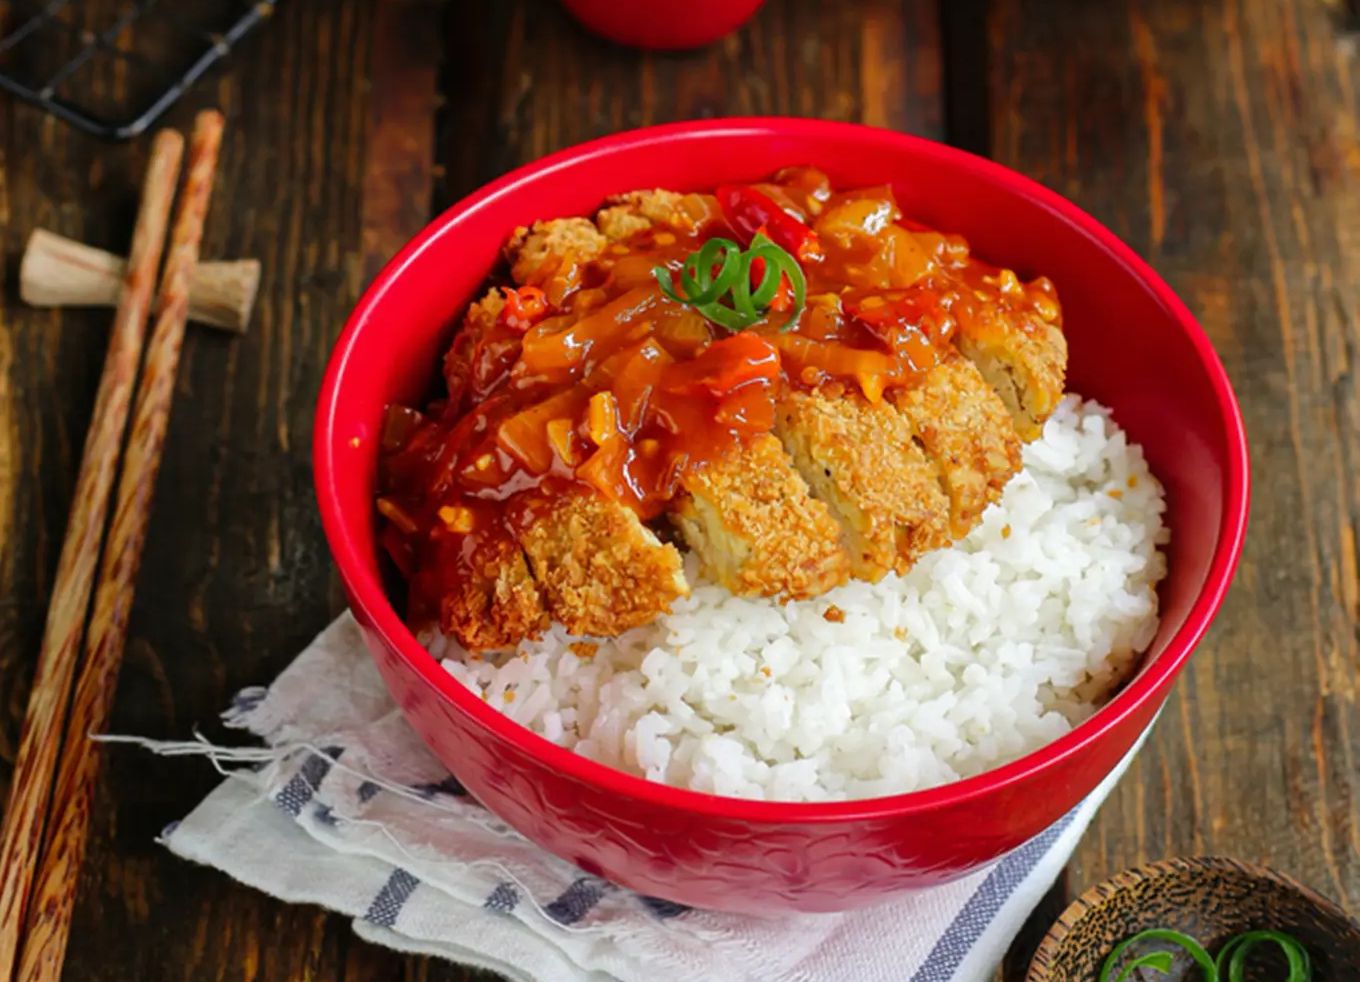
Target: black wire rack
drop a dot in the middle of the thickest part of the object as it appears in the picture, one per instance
(113, 68)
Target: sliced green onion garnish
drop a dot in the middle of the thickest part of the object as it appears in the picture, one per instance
(1183, 941)
(1232, 959)
(720, 270)
(1160, 961)
(1234, 955)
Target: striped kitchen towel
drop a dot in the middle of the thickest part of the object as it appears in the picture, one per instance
(344, 807)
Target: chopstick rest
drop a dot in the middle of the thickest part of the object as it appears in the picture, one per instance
(60, 272)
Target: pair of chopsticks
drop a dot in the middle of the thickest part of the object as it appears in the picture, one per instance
(42, 841)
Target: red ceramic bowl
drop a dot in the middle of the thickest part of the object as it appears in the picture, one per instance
(1134, 346)
(663, 24)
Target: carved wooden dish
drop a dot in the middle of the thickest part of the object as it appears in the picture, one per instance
(1212, 899)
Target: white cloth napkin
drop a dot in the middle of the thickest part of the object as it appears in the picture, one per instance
(344, 807)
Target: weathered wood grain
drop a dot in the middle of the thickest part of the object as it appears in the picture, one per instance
(235, 576)
(64, 843)
(38, 762)
(1220, 140)
(524, 79)
(399, 147)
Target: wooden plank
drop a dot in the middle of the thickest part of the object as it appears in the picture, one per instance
(526, 80)
(236, 576)
(50, 368)
(1220, 141)
(399, 150)
(326, 173)
(963, 42)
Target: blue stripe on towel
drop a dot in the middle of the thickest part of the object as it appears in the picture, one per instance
(664, 909)
(391, 898)
(503, 899)
(449, 785)
(294, 795)
(977, 913)
(576, 900)
(247, 700)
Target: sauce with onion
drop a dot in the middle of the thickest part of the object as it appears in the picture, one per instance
(596, 378)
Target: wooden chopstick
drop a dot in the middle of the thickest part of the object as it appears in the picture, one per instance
(21, 836)
(49, 914)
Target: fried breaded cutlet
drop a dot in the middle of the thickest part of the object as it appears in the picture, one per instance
(478, 323)
(1023, 357)
(965, 428)
(842, 486)
(861, 460)
(756, 528)
(624, 215)
(496, 603)
(550, 255)
(601, 570)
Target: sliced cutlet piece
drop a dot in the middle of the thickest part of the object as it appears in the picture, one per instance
(861, 460)
(550, 254)
(1022, 356)
(625, 215)
(479, 323)
(966, 430)
(756, 528)
(601, 570)
(495, 603)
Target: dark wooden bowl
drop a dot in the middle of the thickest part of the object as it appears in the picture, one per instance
(1211, 899)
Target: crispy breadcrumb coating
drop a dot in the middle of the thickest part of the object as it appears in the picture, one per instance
(601, 570)
(497, 604)
(1023, 357)
(627, 214)
(756, 528)
(860, 459)
(966, 430)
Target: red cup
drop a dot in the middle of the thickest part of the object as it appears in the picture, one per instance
(662, 24)
(1134, 346)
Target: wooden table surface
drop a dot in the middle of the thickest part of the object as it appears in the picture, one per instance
(1218, 137)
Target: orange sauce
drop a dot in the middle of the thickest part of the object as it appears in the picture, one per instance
(598, 379)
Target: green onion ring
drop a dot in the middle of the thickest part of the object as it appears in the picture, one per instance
(696, 273)
(1234, 955)
(703, 289)
(1232, 959)
(778, 261)
(728, 253)
(741, 295)
(1161, 961)
(1184, 941)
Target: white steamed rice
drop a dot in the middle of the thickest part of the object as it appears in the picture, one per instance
(983, 652)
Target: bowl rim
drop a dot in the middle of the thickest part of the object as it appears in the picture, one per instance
(1101, 893)
(374, 610)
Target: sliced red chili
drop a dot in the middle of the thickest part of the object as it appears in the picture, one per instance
(749, 211)
(524, 307)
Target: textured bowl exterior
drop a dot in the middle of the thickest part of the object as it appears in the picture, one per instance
(1213, 900)
(1133, 345)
